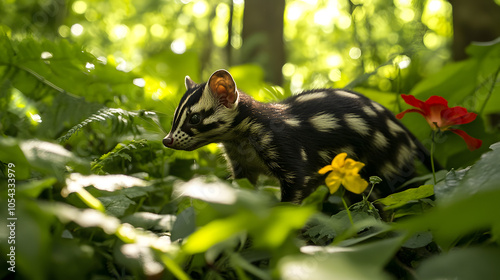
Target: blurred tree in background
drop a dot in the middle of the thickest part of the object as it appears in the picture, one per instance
(88, 89)
(326, 42)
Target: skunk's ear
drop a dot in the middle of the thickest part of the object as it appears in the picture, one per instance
(189, 83)
(223, 87)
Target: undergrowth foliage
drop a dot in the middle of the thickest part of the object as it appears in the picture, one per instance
(121, 120)
(97, 196)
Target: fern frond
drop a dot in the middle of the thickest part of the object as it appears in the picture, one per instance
(121, 120)
(123, 152)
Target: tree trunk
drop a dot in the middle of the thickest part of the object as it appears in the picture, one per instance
(262, 36)
(473, 21)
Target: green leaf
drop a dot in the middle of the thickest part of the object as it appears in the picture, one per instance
(317, 197)
(185, 224)
(139, 258)
(339, 226)
(208, 189)
(117, 205)
(399, 199)
(445, 187)
(365, 261)
(418, 240)
(35, 187)
(10, 152)
(109, 183)
(152, 221)
(482, 176)
(273, 231)
(83, 217)
(462, 263)
(217, 231)
(51, 158)
(455, 218)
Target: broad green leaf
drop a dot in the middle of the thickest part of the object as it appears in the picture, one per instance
(109, 183)
(365, 261)
(84, 218)
(453, 82)
(184, 224)
(33, 239)
(452, 180)
(339, 226)
(218, 231)
(139, 258)
(238, 261)
(418, 240)
(117, 205)
(10, 152)
(209, 190)
(317, 197)
(458, 217)
(244, 184)
(35, 187)
(51, 158)
(148, 220)
(482, 176)
(462, 263)
(399, 199)
(274, 229)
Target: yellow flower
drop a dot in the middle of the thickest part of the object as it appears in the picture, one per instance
(344, 171)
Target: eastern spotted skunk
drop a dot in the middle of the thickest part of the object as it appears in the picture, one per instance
(293, 139)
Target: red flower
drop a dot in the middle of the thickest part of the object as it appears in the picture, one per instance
(440, 117)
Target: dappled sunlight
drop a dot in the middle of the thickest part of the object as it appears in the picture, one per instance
(94, 188)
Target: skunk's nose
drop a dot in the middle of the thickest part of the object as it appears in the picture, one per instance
(168, 140)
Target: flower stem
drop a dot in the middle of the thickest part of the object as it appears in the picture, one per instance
(432, 157)
(347, 208)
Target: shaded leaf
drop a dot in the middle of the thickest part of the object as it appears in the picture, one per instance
(462, 263)
(117, 205)
(35, 187)
(51, 158)
(217, 231)
(482, 176)
(184, 225)
(452, 180)
(418, 240)
(365, 261)
(84, 218)
(152, 221)
(110, 183)
(401, 198)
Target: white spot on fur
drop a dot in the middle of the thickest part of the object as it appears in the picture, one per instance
(325, 155)
(303, 154)
(369, 111)
(357, 124)
(292, 122)
(380, 140)
(349, 151)
(389, 169)
(377, 106)
(306, 179)
(404, 155)
(290, 177)
(346, 94)
(394, 128)
(311, 96)
(324, 122)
